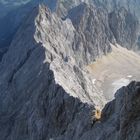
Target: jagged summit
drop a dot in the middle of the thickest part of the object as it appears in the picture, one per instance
(17, 15)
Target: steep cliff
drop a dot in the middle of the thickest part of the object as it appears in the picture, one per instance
(132, 18)
(131, 5)
(120, 117)
(10, 22)
(45, 91)
(125, 28)
(37, 100)
(123, 18)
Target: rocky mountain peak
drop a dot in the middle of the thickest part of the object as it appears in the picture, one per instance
(120, 117)
(92, 26)
(38, 73)
(46, 91)
(125, 27)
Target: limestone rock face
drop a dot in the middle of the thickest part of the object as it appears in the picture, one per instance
(20, 9)
(132, 6)
(127, 14)
(93, 33)
(45, 91)
(126, 105)
(120, 117)
(10, 23)
(125, 27)
(37, 100)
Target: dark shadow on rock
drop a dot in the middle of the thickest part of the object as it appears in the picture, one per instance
(32, 105)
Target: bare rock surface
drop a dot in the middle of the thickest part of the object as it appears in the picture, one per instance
(125, 28)
(120, 117)
(115, 70)
(92, 27)
(15, 13)
(45, 91)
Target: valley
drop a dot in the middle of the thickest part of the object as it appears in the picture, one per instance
(115, 70)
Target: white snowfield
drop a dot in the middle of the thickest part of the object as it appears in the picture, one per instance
(119, 83)
(115, 70)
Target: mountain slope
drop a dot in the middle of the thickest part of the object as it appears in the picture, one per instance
(115, 70)
(131, 5)
(94, 33)
(45, 90)
(9, 5)
(10, 23)
(125, 28)
(34, 86)
(120, 117)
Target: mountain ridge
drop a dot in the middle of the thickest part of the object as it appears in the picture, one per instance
(45, 90)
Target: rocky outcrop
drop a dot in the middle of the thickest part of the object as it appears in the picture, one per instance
(133, 15)
(37, 100)
(45, 92)
(19, 11)
(120, 117)
(94, 35)
(131, 5)
(126, 105)
(125, 27)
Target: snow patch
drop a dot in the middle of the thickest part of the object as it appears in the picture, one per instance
(129, 76)
(93, 81)
(120, 83)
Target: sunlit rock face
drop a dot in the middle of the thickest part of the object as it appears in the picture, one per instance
(46, 90)
(131, 5)
(15, 13)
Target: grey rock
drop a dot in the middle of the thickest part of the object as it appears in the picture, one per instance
(131, 5)
(45, 92)
(125, 27)
(19, 10)
(120, 117)
(42, 94)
